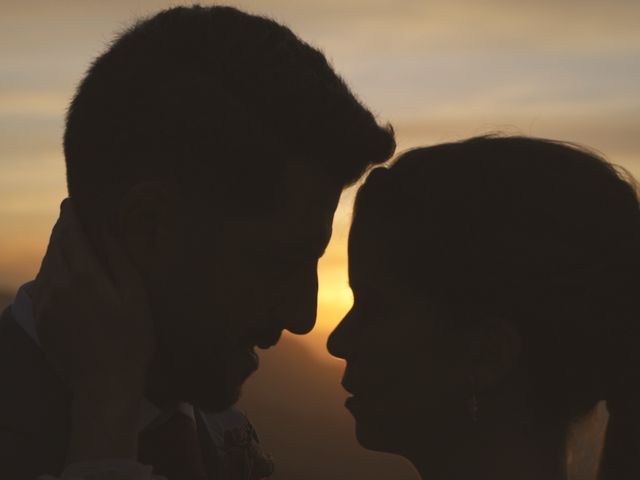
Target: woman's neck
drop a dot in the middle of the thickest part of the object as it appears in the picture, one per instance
(504, 444)
(494, 455)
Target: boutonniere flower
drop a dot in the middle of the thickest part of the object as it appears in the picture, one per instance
(242, 457)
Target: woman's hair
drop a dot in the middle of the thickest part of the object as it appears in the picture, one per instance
(542, 232)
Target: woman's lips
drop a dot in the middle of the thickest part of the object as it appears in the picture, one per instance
(351, 404)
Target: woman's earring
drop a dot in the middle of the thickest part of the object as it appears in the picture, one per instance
(473, 403)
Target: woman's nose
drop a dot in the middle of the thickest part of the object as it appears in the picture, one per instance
(338, 341)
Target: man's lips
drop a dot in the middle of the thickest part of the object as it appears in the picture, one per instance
(254, 356)
(266, 344)
(266, 340)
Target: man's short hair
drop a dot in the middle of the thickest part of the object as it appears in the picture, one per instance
(212, 98)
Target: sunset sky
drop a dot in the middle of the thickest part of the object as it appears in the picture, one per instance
(437, 70)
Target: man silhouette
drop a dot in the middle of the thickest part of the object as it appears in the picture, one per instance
(209, 148)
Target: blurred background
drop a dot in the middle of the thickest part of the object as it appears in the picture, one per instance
(437, 70)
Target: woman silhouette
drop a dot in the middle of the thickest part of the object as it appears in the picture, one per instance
(495, 288)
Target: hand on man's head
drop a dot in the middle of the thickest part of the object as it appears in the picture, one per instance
(95, 330)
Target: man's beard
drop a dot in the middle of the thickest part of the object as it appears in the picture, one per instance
(213, 383)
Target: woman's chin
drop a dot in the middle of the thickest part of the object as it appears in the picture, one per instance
(376, 439)
(391, 431)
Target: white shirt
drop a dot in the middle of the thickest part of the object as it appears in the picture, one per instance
(122, 469)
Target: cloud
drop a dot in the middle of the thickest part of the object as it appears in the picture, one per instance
(37, 103)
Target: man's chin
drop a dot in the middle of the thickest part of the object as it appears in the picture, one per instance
(210, 400)
(205, 392)
(217, 404)
(211, 385)
(214, 397)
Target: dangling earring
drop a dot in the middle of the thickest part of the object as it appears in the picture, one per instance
(473, 402)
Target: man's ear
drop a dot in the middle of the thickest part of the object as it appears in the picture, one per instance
(146, 223)
(493, 345)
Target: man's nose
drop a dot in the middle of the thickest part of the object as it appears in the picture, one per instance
(337, 341)
(303, 309)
